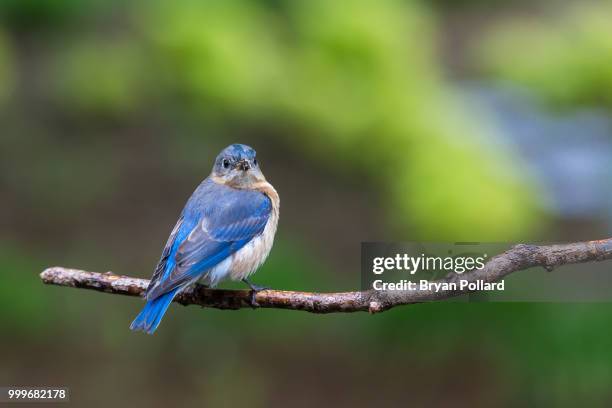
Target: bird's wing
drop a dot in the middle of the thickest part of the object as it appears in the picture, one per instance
(225, 225)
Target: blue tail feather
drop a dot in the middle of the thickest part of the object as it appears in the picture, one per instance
(150, 316)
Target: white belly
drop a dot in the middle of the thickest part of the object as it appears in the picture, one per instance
(253, 255)
(246, 260)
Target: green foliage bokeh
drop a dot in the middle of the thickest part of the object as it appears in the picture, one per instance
(6, 70)
(362, 89)
(565, 58)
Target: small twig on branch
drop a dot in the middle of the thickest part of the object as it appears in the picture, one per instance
(518, 258)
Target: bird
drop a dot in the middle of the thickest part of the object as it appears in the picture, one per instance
(225, 231)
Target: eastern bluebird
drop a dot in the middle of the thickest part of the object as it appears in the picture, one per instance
(226, 230)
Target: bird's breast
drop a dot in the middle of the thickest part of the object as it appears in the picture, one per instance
(252, 255)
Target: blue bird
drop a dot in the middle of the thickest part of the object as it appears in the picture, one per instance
(226, 230)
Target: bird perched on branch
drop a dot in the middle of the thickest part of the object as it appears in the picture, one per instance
(226, 230)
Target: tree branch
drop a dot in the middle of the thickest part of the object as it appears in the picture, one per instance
(518, 258)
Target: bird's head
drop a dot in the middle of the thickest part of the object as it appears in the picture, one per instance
(237, 166)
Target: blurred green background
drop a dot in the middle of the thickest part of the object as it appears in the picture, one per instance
(375, 121)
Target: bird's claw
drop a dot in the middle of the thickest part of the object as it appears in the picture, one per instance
(254, 290)
(252, 299)
(258, 288)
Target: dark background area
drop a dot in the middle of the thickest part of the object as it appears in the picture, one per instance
(375, 121)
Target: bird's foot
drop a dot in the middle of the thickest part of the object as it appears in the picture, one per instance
(254, 290)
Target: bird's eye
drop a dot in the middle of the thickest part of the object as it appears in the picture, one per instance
(255, 162)
(226, 163)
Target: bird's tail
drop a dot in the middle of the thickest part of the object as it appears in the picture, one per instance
(150, 316)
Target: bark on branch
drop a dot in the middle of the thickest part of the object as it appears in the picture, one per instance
(518, 258)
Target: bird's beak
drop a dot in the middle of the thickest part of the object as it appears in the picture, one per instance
(243, 165)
